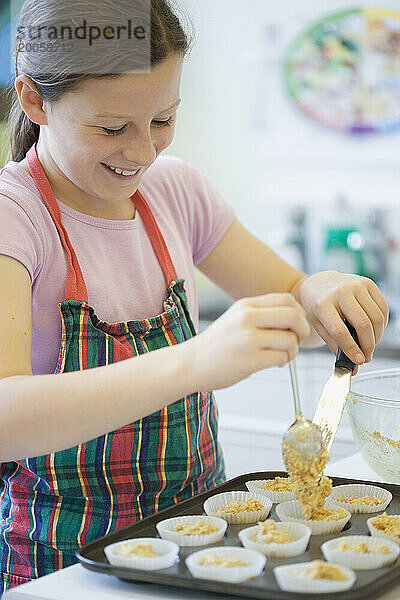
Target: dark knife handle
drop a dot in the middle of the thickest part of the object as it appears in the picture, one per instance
(341, 359)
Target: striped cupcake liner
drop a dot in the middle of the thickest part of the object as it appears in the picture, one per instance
(258, 485)
(358, 490)
(290, 580)
(167, 530)
(360, 560)
(300, 534)
(255, 562)
(167, 554)
(292, 511)
(377, 533)
(214, 503)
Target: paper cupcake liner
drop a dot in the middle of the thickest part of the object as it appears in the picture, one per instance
(359, 490)
(257, 486)
(379, 534)
(292, 511)
(300, 534)
(214, 503)
(255, 564)
(166, 529)
(289, 581)
(167, 554)
(357, 560)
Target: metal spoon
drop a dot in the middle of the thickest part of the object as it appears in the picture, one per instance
(303, 436)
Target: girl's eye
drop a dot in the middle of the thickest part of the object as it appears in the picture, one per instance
(122, 129)
(163, 123)
(114, 131)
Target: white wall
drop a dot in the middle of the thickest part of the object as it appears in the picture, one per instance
(239, 126)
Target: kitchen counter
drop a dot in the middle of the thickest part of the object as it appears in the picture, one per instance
(79, 583)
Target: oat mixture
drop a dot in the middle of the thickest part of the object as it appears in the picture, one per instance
(135, 550)
(196, 528)
(387, 524)
(212, 560)
(309, 484)
(320, 569)
(237, 507)
(279, 484)
(367, 500)
(328, 514)
(267, 533)
(362, 548)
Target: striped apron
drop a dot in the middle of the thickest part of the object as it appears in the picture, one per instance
(51, 505)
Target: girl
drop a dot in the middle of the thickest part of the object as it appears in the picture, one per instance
(98, 239)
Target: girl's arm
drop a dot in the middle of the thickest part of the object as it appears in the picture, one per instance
(242, 265)
(40, 414)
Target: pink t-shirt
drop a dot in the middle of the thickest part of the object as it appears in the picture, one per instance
(121, 271)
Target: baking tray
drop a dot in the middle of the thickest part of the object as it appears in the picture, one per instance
(368, 583)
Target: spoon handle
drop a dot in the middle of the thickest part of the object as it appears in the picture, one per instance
(295, 387)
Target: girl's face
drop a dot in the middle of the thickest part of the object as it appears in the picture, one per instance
(123, 122)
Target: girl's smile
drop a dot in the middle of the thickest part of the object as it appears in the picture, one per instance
(125, 175)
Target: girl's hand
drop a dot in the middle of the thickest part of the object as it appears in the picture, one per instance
(253, 334)
(329, 297)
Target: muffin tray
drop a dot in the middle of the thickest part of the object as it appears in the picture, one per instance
(368, 584)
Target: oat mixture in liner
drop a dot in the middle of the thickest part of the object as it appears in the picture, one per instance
(212, 560)
(367, 500)
(387, 524)
(135, 550)
(279, 484)
(310, 485)
(320, 569)
(235, 507)
(196, 528)
(362, 548)
(267, 533)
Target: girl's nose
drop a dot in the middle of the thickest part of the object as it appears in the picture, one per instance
(140, 150)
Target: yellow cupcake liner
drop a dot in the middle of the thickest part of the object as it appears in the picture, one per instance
(167, 554)
(255, 564)
(358, 560)
(299, 532)
(257, 486)
(166, 529)
(380, 534)
(290, 581)
(292, 511)
(359, 490)
(214, 503)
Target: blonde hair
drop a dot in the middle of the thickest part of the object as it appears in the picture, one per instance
(53, 79)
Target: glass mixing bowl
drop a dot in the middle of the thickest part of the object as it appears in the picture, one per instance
(373, 407)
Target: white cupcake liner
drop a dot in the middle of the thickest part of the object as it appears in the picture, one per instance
(358, 560)
(167, 553)
(289, 581)
(379, 534)
(255, 564)
(359, 490)
(166, 529)
(214, 503)
(257, 486)
(292, 511)
(299, 532)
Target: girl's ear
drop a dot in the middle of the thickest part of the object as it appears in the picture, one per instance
(30, 100)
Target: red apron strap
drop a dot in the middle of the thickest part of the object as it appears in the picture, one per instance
(156, 237)
(75, 287)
